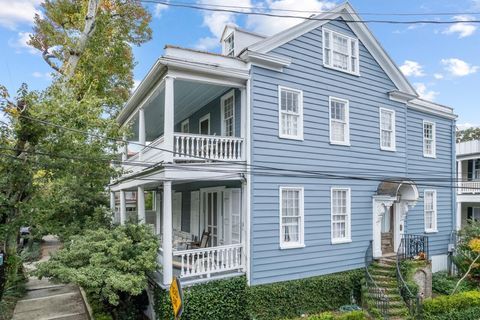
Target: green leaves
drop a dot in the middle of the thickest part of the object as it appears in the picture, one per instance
(107, 262)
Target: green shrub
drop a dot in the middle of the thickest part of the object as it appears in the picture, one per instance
(352, 315)
(233, 299)
(443, 283)
(304, 296)
(32, 252)
(462, 306)
(215, 300)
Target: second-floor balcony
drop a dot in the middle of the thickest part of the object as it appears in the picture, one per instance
(181, 121)
(468, 170)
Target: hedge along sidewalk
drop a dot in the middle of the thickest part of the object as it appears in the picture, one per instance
(233, 299)
(461, 306)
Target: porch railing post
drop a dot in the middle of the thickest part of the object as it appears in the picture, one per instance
(141, 132)
(158, 212)
(243, 121)
(167, 239)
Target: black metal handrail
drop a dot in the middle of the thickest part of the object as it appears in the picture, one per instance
(411, 246)
(378, 294)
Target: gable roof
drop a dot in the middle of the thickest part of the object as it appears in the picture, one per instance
(348, 13)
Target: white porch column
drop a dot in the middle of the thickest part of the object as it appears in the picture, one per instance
(169, 118)
(459, 216)
(243, 119)
(112, 205)
(459, 176)
(141, 204)
(141, 130)
(158, 212)
(123, 208)
(167, 238)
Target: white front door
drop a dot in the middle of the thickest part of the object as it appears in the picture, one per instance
(232, 215)
(212, 213)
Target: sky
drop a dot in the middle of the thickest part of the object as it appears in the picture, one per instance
(441, 61)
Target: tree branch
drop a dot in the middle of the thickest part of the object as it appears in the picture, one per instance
(88, 30)
(47, 57)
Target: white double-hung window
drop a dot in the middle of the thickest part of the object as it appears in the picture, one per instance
(290, 113)
(430, 210)
(341, 215)
(340, 52)
(339, 121)
(429, 139)
(291, 217)
(229, 45)
(228, 114)
(387, 129)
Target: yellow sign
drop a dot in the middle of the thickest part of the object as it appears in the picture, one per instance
(176, 295)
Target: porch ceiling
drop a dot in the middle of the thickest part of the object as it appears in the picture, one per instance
(189, 97)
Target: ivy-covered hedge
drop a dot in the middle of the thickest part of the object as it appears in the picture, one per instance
(233, 299)
(215, 300)
(305, 296)
(462, 306)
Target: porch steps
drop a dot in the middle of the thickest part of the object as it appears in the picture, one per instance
(383, 272)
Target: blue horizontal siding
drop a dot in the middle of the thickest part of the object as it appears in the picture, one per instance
(366, 94)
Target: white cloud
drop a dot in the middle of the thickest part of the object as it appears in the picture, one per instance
(412, 68)
(206, 43)
(159, 9)
(271, 25)
(466, 125)
(21, 43)
(464, 28)
(136, 83)
(215, 21)
(458, 68)
(423, 92)
(42, 75)
(438, 76)
(14, 12)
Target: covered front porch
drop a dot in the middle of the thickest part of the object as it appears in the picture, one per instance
(200, 226)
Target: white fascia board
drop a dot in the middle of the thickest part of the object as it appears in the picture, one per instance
(206, 58)
(267, 61)
(432, 108)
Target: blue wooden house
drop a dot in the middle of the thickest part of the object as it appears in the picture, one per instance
(285, 157)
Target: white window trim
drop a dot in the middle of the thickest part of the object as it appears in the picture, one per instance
(394, 132)
(435, 213)
(230, 53)
(330, 66)
(434, 133)
(205, 117)
(187, 121)
(226, 96)
(347, 120)
(348, 222)
(301, 243)
(299, 135)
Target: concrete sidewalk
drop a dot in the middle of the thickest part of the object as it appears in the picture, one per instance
(47, 301)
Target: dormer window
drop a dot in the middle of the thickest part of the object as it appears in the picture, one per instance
(229, 45)
(340, 52)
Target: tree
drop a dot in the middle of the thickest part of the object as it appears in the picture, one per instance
(468, 134)
(474, 246)
(89, 43)
(111, 263)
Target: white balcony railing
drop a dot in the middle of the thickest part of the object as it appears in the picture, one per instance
(201, 147)
(208, 261)
(471, 187)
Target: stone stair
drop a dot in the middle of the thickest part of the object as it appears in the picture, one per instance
(383, 272)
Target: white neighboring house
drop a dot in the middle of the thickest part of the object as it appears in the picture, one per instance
(468, 167)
